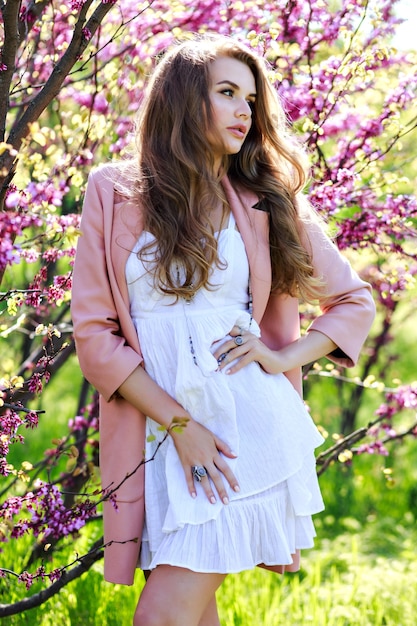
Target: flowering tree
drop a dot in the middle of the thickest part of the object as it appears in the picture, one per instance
(71, 78)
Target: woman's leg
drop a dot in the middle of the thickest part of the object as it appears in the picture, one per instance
(210, 615)
(175, 596)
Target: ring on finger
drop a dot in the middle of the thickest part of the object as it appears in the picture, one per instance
(199, 472)
(221, 358)
(239, 340)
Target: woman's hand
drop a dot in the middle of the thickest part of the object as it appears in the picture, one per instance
(197, 446)
(246, 347)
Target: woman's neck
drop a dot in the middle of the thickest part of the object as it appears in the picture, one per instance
(218, 216)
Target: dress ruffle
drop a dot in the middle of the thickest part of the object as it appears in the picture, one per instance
(261, 529)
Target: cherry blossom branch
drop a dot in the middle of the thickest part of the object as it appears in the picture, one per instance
(5, 295)
(335, 452)
(76, 47)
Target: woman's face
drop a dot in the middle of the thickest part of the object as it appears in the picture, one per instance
(232, 95)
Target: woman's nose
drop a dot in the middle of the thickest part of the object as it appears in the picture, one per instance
(244, 109)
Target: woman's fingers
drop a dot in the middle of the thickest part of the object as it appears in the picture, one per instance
(237, 330)
(194, 474)
(214, 477)
(224, 448)
(243, 347)
(226, 352)
(200, 454)
(190, 481)
(222, 466)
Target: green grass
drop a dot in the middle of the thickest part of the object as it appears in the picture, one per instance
(366, 578)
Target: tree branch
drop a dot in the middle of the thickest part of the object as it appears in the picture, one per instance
(34, 9)
(52, 86)
(10, 12)
(84, 564)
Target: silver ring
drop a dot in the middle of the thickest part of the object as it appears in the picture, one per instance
(221, 358)
(239, 340)
(199, 472)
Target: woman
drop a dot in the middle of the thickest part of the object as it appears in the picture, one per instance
(185, 308)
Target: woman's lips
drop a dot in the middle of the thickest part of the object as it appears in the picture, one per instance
(237, 131)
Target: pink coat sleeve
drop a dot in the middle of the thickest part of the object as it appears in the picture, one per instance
(347, 306)
(280, 326)
(105, 357)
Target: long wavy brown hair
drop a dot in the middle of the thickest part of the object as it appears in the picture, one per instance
(176, 186)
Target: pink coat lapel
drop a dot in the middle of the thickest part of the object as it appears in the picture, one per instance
(126, 228)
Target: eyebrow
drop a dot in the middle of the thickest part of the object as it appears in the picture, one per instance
(234, 85)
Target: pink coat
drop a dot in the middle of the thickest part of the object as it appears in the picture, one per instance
(108, 347)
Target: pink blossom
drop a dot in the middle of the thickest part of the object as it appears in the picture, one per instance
(86, 34)
(375, 447)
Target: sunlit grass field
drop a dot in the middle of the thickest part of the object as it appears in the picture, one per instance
(346, 581)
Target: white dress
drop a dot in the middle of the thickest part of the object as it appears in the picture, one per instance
(259, 415)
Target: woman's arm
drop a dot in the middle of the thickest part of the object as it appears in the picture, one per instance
(346, 301)
(105, 357)
(195, 444)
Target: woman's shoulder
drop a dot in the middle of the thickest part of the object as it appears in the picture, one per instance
(120, 175)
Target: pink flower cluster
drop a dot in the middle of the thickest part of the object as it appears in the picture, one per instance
(10, 422)
(40, 574)
(385, 225)
(12, 225)
(80, 423)
(47, 513)
(373, 447)
(25, 213)
(405, 397)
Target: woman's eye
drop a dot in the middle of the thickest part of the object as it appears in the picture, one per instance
(228, 92)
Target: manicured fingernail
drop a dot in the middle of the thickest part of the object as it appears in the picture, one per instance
(193, 495)
(225, 500)
(213, 500)
(236, 488)
(233, 453)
